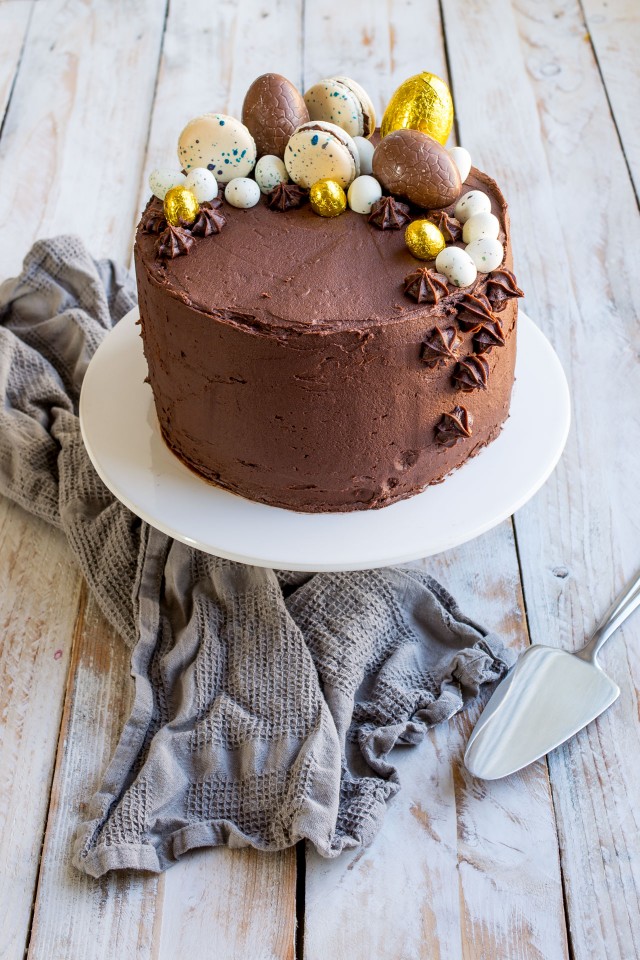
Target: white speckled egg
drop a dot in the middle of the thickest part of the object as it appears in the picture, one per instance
(269, 172)
(365, 152)
(486, 253)
(363, 193)
(457, 266)
(480, 225)
(162, 180)
(242, 192)
(462, 160)
(475, 201)
(202, 183)
(218, 143)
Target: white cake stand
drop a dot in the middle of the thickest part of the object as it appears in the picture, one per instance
(122, 437)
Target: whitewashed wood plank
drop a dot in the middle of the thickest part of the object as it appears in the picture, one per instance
(461, 868)
(14, 23)
(75, 916)
(228, 45)
(614, 31)
(573, 213)
(36, 570)
(77, 123)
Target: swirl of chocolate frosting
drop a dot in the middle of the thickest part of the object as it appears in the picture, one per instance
(440, 346)
(450, 228)
(488, 335)
(454, 426)
(286, 196)
(387, 213)
(502, 287)
(425, 286)
(210, 219)
(474, 309)
(174, 242)
(472, 373)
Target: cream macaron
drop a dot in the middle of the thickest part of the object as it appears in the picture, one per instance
(319, 150)
(344, 102)
(218, 143)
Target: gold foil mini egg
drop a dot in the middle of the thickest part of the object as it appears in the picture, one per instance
(327, 198)
(180, 206)
(422, 102)
(424, 239)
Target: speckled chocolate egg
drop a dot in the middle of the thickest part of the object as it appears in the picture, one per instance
(272, 111)
(413, 165)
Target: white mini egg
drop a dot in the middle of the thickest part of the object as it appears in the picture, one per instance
(269, 172)
(363, 193)
(242, 192)
(462, 160)
(365, 151)
(486, 253)
(457, 266)
(475, 201)
(202, 183)
(162, 180)
(481, 225)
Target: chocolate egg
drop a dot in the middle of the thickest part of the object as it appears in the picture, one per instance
(414, 166)
(272, 111)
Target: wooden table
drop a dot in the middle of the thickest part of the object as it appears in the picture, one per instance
(544, 864)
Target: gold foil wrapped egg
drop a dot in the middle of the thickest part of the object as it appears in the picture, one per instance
(327, 198)
(424, 240)
(422, 102)
(180, 206)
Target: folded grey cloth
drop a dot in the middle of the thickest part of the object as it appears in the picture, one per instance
(266, 704)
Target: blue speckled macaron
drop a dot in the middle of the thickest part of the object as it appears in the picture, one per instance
(321, 149)
(219, 143)
(342, 101)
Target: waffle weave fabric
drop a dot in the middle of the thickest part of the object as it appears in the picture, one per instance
(266, 704)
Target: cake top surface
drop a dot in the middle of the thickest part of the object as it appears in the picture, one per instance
(305, 217)
(293, 268)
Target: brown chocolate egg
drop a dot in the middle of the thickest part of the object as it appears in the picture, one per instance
(413, 165)
(273, 110)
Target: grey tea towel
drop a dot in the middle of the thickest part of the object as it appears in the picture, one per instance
(266, 704)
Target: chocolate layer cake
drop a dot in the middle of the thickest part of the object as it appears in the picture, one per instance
(311, 364)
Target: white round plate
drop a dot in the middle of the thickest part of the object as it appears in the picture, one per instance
(122, 437)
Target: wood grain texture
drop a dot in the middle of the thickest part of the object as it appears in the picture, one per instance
(14, 24)
(614, 31)
(578, 538)
(76, 124)
(36, 569)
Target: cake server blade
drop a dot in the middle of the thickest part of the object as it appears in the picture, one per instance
(546, 698)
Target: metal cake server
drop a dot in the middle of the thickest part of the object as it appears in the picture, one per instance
(547, 696)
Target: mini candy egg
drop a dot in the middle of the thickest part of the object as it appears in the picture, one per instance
(457, 266)
(475, 201)
(163, 179)
(486, 253)
(424, 239)
(363, 193)
(220, 143)
(180, 206)
(342, 101)
(272, 111)
(462, 160)
(422, 102)
(320, 150)
(480, 225)
(365, 152)
(414, 166)
(327, 198)
(269, 172)
(202, 183)
(242, 192)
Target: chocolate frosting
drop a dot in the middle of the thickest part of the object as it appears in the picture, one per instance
(286, 196)
(450, 228)
(501, 287)
(426, 286)
(210, 220)
(174, 242)
(474, 310)
(454, 426)
(387, 213)
(440, 346)
(286, 365)
(472, 373)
